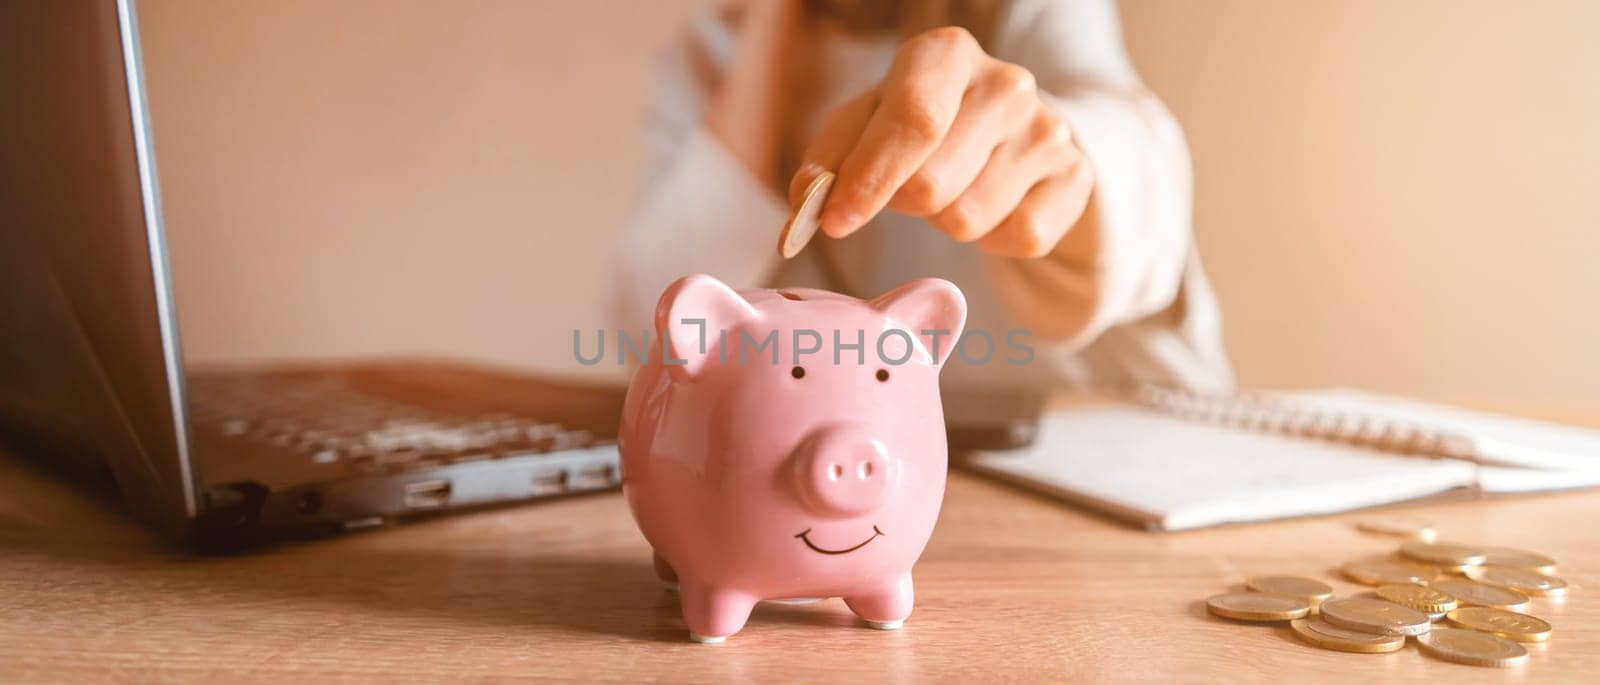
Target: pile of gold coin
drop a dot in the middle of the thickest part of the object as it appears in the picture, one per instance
(1478, 596)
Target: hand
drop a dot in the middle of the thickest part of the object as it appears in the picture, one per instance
(958, 137)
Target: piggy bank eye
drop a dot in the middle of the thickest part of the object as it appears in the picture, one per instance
(798, 372)
(883, 375)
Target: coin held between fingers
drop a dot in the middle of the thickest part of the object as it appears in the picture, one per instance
(807, 216)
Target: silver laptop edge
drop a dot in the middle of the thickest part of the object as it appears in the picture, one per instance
(155, 230)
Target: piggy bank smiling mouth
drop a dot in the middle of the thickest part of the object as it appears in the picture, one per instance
(804, 538)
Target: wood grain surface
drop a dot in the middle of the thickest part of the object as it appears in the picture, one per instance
(1012, 587)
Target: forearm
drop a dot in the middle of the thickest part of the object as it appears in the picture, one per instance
(746, 108)
(1124, 259)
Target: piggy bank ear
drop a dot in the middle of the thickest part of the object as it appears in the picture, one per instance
(933, 309)
(689, 317)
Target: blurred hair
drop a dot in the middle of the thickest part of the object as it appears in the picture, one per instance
(910, 17)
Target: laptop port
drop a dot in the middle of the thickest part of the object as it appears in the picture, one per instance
(553, 483)
(363, 522)
(592, 478)
(428, 494)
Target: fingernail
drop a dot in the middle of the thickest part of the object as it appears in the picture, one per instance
(802, 178)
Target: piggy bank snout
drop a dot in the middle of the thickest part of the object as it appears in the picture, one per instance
(843, 471)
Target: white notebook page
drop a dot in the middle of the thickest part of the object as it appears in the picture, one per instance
(1504, 439)
(1179, 474)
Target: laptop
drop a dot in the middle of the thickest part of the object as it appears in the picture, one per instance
(92, 376)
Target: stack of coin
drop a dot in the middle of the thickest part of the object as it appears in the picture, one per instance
(1256, 606)
(1418, 587)
(1376, 616)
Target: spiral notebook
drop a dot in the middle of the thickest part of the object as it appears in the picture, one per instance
(1172, 460)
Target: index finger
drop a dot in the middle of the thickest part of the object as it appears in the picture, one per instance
(917, 103)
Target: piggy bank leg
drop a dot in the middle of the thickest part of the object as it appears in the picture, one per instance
(665, 573)
(714, 613)
(885, 607)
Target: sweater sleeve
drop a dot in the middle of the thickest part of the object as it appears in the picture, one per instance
(1125, 259)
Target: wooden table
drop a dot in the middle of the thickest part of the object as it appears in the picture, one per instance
(1012, 586)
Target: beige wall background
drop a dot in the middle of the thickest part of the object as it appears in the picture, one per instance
(1400, 195)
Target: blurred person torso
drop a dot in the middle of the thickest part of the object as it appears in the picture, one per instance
(1122, 299)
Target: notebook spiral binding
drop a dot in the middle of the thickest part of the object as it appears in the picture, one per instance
(1268, 413)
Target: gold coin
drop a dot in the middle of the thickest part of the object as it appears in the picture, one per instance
(1472, 647)
(1375, 616)
(1516, 558)
(1472, 593)
(1449, 556)
(1254, 606)
(1328, 636)
(1386, 571)
(807, 217)
(1525, 582)
(1291, 586)
(1400, 526)
(1507, 624)
(1424, 599)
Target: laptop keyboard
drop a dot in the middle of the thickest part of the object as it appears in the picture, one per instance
(327, 421)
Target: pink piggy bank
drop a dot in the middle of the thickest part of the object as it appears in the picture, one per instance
(792, 446)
